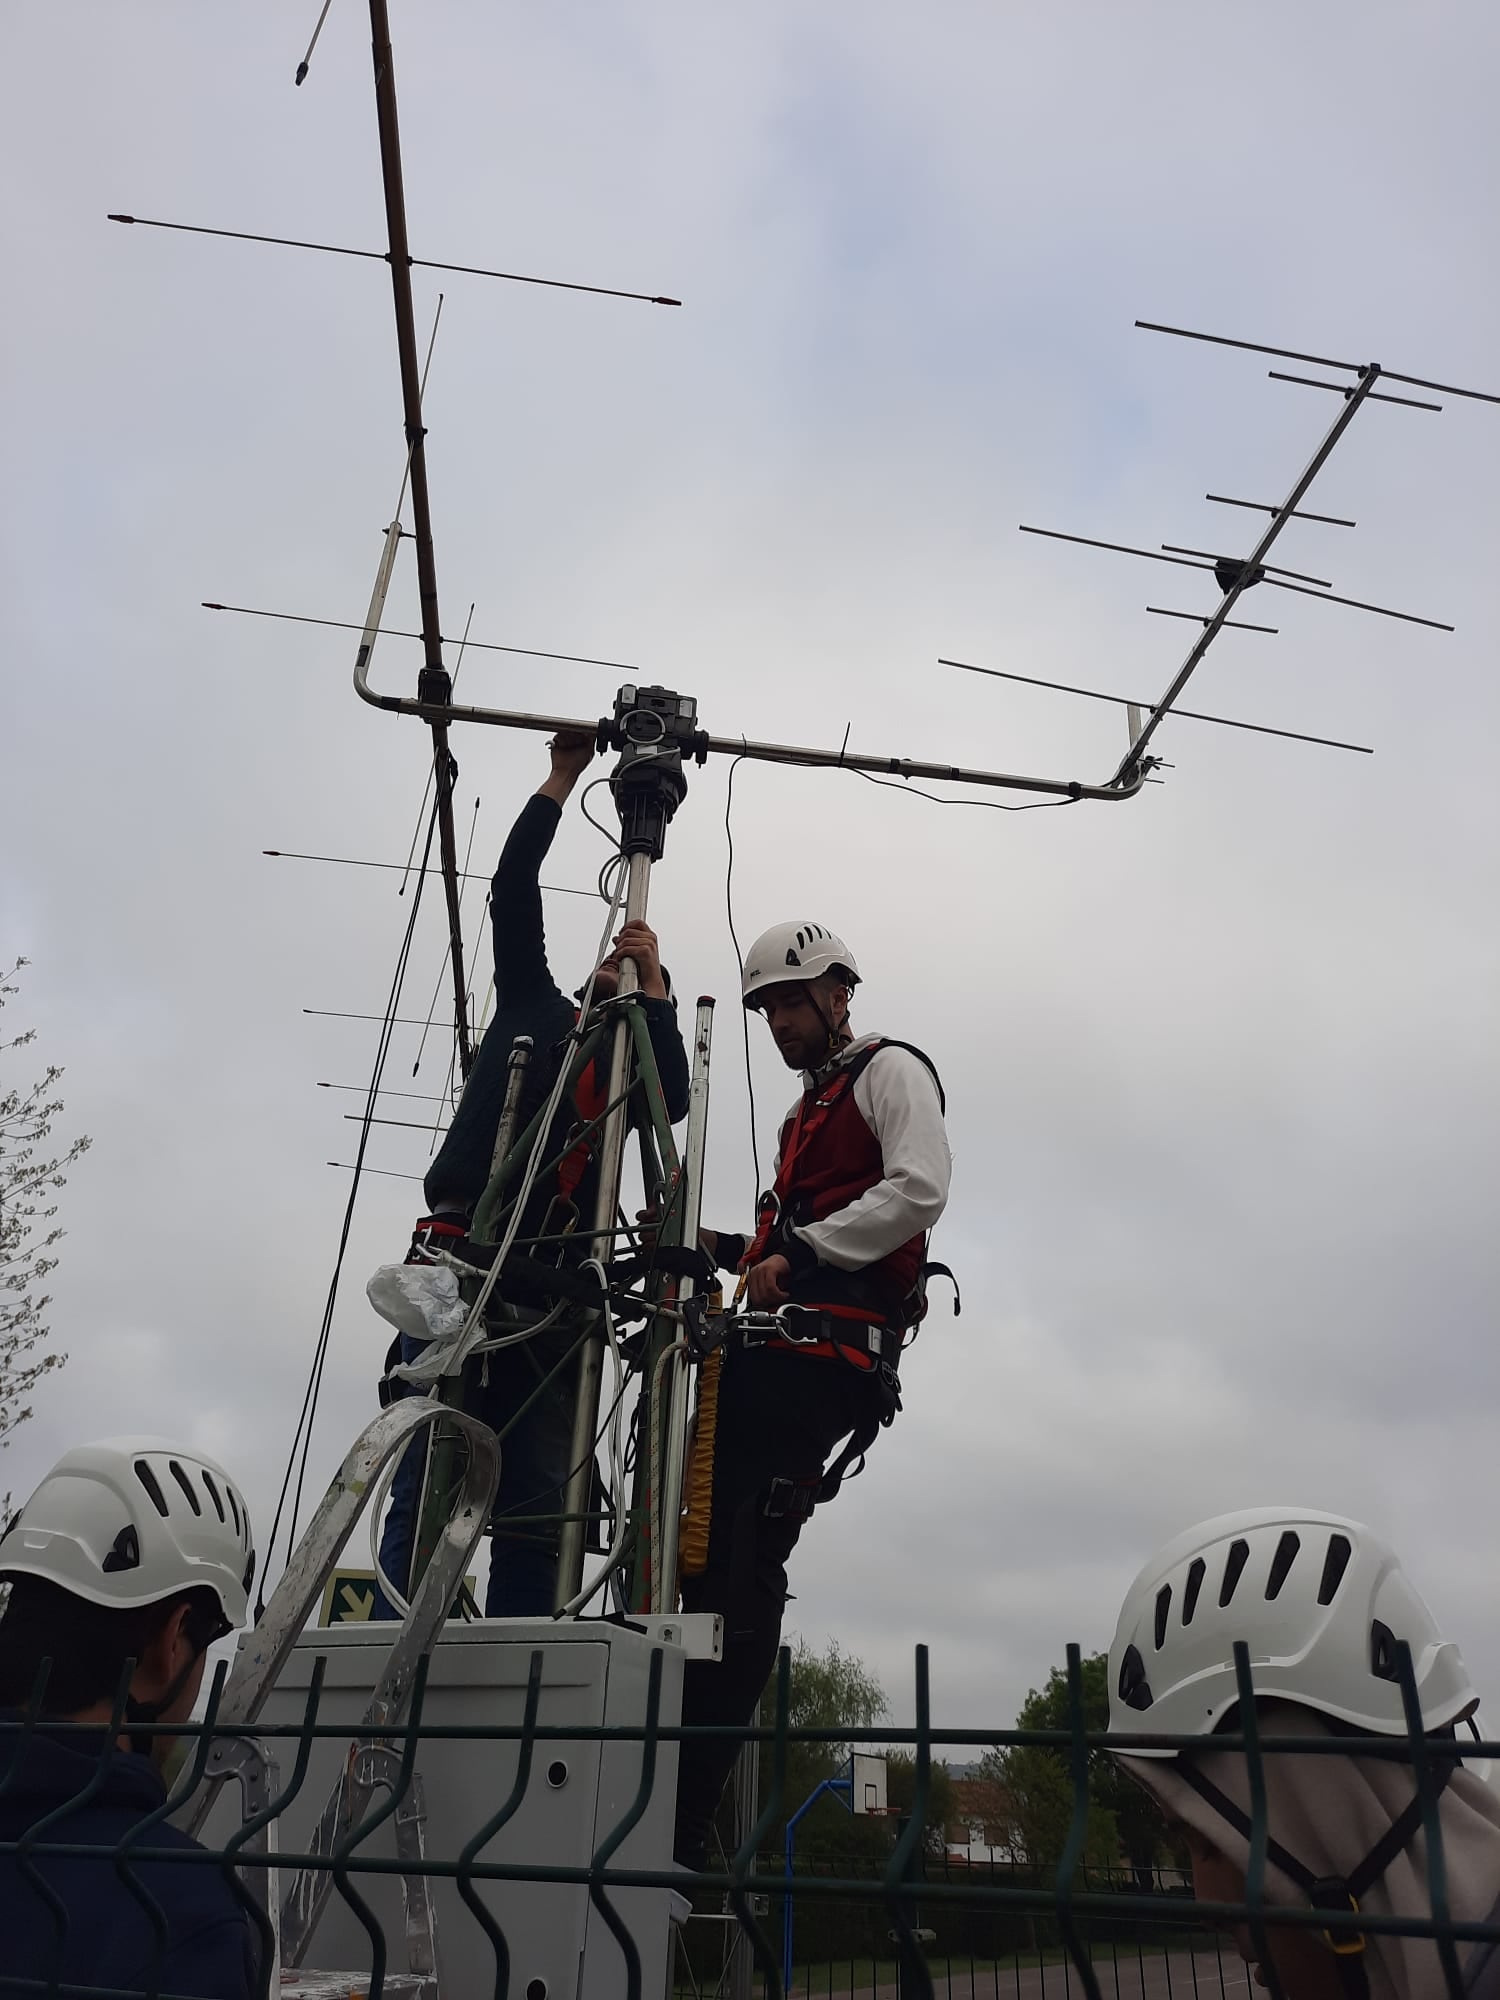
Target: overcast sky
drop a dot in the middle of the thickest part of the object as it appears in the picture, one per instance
(1221, 1063)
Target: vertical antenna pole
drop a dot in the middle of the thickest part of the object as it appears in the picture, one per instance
(668, 1500)
(433, 684)
(591, 1360)
(740, 1978)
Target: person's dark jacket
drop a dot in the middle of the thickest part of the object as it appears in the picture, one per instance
(107, 1938)
(528, 1001)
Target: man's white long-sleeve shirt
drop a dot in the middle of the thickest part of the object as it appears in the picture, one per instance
(897, 1096)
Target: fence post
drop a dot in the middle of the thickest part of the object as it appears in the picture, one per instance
(746, 1811)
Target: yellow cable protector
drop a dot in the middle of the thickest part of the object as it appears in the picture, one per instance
(698, 1481)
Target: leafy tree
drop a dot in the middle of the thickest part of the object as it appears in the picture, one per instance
(829, 1690)
(28, 1234)
(832, 1690)
(942, 1800)
(835, 1690)
(1122, 1822)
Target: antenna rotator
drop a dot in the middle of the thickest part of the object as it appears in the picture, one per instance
(655, 730)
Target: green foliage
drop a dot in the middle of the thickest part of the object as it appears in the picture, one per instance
(832, 1690)
(942, 1801)
(1123, 1827)
(28, 1236)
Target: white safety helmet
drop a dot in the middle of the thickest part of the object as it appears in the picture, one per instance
(792, 954)
(132, 1521)
(1319, 1600)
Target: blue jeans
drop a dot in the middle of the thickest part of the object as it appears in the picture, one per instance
(534, 1467)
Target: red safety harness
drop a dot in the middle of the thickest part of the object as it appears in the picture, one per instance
(590, 1095)
(818, 1105)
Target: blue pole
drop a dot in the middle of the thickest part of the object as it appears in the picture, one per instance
(828, 1785)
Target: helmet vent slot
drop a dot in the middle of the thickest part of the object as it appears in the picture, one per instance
(126, 1552)
(233, 1508)
(1163, 1610)
(1334, 1564)
(213, 1494)
(1234, 1566)
(1197, 1570)
(1135, 1689)
(1281, 1562)
(1382, 1652)
(186, 1484)
(148, 1479)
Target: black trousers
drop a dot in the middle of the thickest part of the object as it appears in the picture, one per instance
(780, 1416)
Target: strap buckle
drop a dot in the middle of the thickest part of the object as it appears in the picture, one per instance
(792, 1499)
(1331, 1892)
(816, 1323)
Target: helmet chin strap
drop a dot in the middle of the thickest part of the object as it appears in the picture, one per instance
(835, 1037)
(153, 1711)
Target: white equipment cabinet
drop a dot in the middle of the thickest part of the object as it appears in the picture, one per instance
(594, 1674)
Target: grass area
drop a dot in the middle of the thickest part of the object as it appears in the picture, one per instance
(862, 1976)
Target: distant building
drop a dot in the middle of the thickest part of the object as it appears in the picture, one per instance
(981, 1830)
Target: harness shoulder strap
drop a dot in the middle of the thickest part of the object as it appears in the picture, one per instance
(1331, 1893)
(890, 1042)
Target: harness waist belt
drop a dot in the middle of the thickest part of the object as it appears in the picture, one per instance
(810, 1331)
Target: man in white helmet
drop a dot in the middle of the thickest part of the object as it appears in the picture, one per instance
(834, 1277)
(1331, 1626)
(130, 1559)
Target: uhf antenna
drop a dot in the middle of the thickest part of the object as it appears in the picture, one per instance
(1234, 574)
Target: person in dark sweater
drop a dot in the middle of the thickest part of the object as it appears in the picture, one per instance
(528, 1001)
(123, 1567)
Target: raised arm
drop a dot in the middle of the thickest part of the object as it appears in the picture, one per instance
(521, 969)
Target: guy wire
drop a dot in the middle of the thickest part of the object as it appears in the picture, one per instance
(308, 1414)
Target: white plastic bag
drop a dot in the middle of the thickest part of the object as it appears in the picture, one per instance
(421, 1300)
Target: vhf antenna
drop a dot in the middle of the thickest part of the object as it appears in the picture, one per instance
(434, 684)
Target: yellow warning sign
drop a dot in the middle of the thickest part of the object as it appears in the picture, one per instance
(350, 1595)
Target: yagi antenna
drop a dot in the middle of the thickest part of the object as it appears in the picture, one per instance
(1236, 574)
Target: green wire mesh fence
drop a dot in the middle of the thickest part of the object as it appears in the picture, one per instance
(999, 1929)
